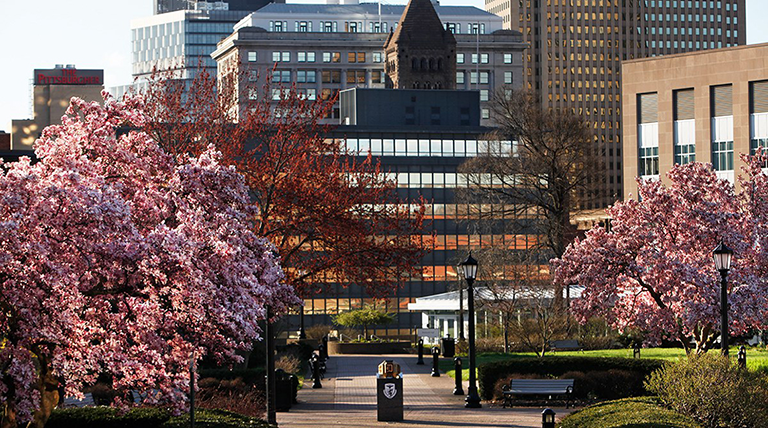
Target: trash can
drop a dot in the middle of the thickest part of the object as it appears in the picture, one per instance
(389, 392)
(283, 391)
(449, 347)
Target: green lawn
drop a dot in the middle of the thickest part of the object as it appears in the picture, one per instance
(644, 412)
(757, 358)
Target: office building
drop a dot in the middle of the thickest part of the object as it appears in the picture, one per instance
(701, 106)
(51, 93)
(577, 48)
(325, 48)
(165, 6)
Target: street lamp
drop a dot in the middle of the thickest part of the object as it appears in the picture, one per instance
(722, 256)
(469, 269)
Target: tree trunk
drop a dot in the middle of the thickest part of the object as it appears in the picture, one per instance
(48, 385)
(9, 418)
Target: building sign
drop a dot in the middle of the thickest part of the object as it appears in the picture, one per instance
(428, 332)
(69, 76)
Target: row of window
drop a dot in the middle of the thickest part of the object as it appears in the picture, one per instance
(722, 156)
(330, 27)
(328, 76)
(694, 4)
(422, 147)
(358, 57)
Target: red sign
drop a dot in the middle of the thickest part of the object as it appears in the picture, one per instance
(69, 76)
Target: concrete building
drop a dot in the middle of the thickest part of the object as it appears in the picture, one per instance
(701, 106)
(577, 48)
(51, 93)
(325, 48)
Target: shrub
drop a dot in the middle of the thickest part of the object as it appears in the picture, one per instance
(606, 384)
(714, 391)
(316, 332)
(248, 376)
(556, 366)
(108, 417)
(498, 388)
(288, 363)
(645, 412)
(234, 396)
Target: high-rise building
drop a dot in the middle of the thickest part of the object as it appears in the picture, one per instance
(576, 50)
(699, 106)
(51, 93)
(165, 6)
(325, 48)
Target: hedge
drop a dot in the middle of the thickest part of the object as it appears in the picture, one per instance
(489, 373)
(249, 376)
(108, 417)
(646, 412)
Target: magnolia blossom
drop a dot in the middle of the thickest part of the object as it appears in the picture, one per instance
(653, 269)
(118, 258)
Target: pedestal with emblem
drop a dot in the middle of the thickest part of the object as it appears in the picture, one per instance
(389, 392)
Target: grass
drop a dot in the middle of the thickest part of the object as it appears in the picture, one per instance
(645, 412)
(757, 358)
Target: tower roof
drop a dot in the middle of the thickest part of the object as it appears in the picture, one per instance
(420, 23)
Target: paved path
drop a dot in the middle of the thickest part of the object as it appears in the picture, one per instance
(348, 399)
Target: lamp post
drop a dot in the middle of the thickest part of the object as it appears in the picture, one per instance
(469, 269)
(461, 312)
(722, 256)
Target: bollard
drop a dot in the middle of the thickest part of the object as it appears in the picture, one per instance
(548, 418)
(324, 354)
(314, 363)
(459, 388)
(435, 356)
(421, 352)
(321, 352)
(636, 350)
(741, 357)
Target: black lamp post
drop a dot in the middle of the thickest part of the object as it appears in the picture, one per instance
(722, 256)
(469, 269)
(461, 312)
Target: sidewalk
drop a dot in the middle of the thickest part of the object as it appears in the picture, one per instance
(348, 399)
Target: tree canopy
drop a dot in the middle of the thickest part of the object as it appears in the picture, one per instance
(120, 259)
(653, 268)
(365, 318)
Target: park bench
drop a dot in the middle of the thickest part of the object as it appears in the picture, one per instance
(548, 387)
(565, 345)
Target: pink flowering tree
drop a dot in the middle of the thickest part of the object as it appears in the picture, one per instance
(653, 268)
(118, 258)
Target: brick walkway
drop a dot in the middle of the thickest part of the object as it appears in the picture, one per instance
(348, 399)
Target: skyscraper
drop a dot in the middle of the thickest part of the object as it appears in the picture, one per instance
(577, 46)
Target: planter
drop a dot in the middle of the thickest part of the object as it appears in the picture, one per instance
(373, 348)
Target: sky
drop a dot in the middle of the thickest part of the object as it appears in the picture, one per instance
(96, 34)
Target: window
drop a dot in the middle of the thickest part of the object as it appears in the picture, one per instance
(356, 56)
(303, 26)
(306, 76)
(483, 95)
(353, 27)
(307, 94)
(331, 76)
(483, 77)
(305, 57)
(485, 113)
(377, 57)
(281, 56)
(331, 56)
(278, 94)
(507, 58)
(356, 77)
(281, 76)
(649, 161)
(278, 26)
(459, 58)
(325, 94)
(377, 76)
(508, 77)
(453, 27)
(459, 77)
(253, 56)
(483, 58)
(378, 27)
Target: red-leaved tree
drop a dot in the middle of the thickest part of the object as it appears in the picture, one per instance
(120, 259)
(334, 218)
(653, 268)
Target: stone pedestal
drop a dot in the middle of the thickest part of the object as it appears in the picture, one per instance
(389, 399)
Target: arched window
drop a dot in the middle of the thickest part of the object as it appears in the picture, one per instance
(424, 65)
(415, 64)
(438, 85)
(415, 85)
(432, 65)
(439, 63)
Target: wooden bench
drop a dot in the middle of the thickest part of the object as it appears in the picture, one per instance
(565, 345)
(547, 387)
